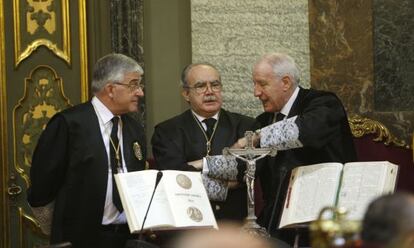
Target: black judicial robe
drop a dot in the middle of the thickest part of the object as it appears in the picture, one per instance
(326, 137)
(70, 167)
(180, 139)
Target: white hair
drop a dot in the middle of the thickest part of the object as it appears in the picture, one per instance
(282, 65)
(112, 68)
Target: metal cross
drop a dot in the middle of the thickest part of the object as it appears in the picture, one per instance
(250, 155)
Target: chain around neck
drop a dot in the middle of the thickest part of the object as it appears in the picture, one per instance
(208, 140)
(117, 147)
(111, 142)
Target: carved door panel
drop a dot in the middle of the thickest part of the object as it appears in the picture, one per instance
(43, 69)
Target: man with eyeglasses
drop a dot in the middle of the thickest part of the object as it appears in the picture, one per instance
(184, 141)
(79, 151)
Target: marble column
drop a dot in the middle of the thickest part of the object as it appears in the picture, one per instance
(363, 51)
(127, 34)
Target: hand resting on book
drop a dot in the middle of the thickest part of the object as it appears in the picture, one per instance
(198, 164)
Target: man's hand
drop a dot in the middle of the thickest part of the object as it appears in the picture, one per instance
(242, 142)
(233, 184)
(198, 164)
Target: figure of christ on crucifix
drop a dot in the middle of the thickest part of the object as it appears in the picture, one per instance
(250, 155)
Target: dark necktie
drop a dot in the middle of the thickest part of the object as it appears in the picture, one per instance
(116, 161)
(279, 117)
(210, 126)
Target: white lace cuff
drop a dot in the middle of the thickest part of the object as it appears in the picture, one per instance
(283, 135)
(222, 167)
(216, 189)
(44, 216)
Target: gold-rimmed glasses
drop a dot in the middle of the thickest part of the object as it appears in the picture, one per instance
(201, 87)
(133, 85)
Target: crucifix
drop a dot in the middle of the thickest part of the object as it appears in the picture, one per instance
(250, 155)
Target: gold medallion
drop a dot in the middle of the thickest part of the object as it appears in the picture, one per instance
(137, 150)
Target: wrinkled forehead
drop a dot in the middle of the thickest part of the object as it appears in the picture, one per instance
(262, 66)
(262, 71)
(132, 76)
(203, 73)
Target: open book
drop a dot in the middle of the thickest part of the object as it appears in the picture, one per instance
(353, 186)
(180, 201)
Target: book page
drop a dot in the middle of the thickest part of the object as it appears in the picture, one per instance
(311, 188)
(135, 191)
(188, 197)
(363, 182)
(391, 180)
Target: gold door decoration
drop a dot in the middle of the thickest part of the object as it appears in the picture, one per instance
(361, 126)
(43, 97)
(28, 224)
(41, 23)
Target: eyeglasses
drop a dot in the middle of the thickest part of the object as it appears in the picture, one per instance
(201, 87)
(133, 85)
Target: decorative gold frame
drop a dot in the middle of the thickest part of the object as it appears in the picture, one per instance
(83, 50)
(27, 220)
(5, 237)
(361, 126)
(20, 168)
(84, 97)
(4, 210)
(64, 53)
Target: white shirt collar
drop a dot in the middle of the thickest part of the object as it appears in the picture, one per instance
(201, 118)
(286, 109)
(103, 112)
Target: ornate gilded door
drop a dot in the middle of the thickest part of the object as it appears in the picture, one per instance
(43, 69)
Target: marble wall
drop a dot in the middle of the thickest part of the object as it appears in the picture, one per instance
(127, 36)
(360, 49)
(341, 50)
(394, 55)
(232, 34)
(363, 51)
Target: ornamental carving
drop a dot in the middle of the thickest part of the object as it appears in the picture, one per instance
(361, 126)
(40, 16)
(41, 23)
(43, 97)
